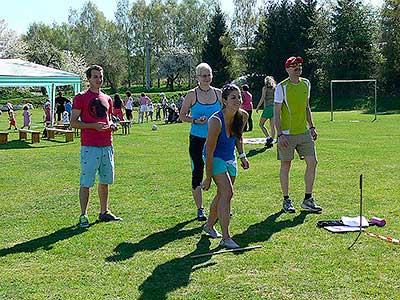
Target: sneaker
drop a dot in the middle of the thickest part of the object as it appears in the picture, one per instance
(229, 244)
(201, 215)
(212, 232)
(270, 142)
(288, 206)
(108, 216)
(310, 205)
(83, 221)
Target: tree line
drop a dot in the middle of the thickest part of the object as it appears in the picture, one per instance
(162, 41)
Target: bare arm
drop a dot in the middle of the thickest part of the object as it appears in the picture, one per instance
(214, 129)
(239, 143)
(310, 121)
(262, 99)
(76, 123)
(277, 117)
(187, 103)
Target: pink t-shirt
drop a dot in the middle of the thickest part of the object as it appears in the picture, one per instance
(144, 100)
(94, 108)
(247, 104)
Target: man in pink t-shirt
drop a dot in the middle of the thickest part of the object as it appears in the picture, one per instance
(91, 112)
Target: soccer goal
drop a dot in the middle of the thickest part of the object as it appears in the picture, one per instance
(353, 80)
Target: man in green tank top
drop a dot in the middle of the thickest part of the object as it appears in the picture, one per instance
(292, 115)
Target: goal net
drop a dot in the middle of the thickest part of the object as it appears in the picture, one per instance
(354, 80)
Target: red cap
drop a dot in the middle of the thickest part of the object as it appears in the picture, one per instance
(292, 60)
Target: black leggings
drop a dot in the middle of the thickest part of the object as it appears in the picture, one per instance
(249, 122)
(196, 145)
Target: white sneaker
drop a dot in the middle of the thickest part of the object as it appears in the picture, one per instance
(229, 243)
(212, 232)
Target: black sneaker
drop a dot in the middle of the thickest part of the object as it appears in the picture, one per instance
(270, 142)
(108, 217)
(201, 215)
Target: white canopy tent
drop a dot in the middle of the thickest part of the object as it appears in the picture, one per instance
(17, 72)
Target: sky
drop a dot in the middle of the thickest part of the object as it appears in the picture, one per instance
(20, 13)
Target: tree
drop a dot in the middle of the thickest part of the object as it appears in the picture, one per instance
(173, 63)
(212, 50)
(351, 42)
(11, 45)
(244, 22)
(125, 32)
(391, 45)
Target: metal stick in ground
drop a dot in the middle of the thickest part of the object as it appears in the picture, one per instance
(359, 234)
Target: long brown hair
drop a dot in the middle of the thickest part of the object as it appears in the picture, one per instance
(237, 123)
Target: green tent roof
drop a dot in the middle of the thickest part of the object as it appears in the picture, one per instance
(17, 72)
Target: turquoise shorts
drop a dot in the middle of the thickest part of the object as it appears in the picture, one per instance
(222, 166)
(268, 112)
(97, 160)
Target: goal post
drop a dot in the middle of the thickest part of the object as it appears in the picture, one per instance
(354, 80)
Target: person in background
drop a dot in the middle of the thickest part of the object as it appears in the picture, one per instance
(247, 105)
(158, 111)
(164, 104)
(117, 107)
(128, 105)
(292, 115)
(27, 117)
(267, 99)
(180, 101)
(60, 102)
(11, 118)
(68, 108)
(225, 129)
(202, 102)
(91, 112)
(151, 110)
(144, 107)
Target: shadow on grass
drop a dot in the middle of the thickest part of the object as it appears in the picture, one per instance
(264, 230)
(154, 241)
(17, 144)
(254, 152)
(44, 242)
(174, 274)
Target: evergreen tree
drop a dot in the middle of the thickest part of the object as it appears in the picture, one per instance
(213, 49)
(351, 42)
(391, 45)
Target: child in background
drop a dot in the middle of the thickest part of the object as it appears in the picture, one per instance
(47, 113)
(27, 116)
(151, 110)
(158, 112)
(65, 117)
(11, 117)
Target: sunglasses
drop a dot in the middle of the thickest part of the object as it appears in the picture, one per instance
(294, 65)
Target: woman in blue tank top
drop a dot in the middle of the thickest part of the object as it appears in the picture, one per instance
(225, 129)
(201, 102)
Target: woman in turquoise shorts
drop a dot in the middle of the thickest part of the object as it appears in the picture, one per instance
(267, 98)
(225, 129)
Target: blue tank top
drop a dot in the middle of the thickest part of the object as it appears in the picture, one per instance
(200, 109)
(225, 148)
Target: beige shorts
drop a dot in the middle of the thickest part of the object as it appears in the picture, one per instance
(303, 143)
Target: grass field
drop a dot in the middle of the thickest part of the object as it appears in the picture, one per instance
(147, 256)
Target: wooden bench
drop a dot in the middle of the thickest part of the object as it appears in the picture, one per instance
(23, 135)
(3, 137)
(69, 134)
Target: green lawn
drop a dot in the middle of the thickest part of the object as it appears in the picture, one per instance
(147, 256)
